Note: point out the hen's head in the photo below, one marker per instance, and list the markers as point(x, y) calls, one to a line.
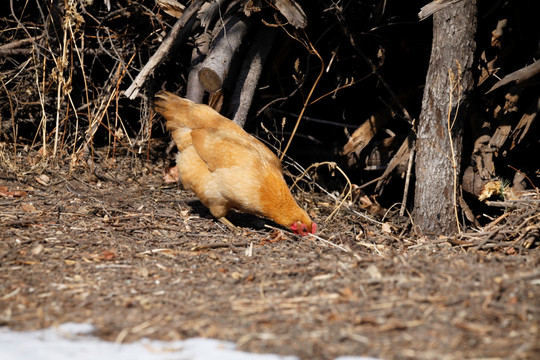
point(302, 229)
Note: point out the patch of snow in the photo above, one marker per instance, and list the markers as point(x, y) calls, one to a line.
point(74, 341)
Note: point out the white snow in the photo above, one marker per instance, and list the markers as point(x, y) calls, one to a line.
point(74, 341)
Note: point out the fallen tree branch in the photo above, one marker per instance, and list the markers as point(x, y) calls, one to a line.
point(518, 76)
point(433, 7)
point(14, 47)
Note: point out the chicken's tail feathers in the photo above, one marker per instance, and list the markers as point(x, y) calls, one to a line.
point(174, 109)
point(183, 113)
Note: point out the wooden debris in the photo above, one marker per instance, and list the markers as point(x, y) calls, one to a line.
point(293, 12)
point(518, 77)
point(507, 115)
point(482, 155)
point(433, 7)
point(522, 128)
point(171, 7)
point(398, 162)
point(208, 12)
point(361, 137)
point(218, 62)
point(517, 228)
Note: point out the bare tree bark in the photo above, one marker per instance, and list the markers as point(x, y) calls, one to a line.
point(195, 91)
point(250, 74)
point(209, 12)
point(216, 65)
point(293, 12)
point(520, 76)
point(433, 7)
point(444, 110)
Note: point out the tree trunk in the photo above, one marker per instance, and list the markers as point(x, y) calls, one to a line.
point(444, 110)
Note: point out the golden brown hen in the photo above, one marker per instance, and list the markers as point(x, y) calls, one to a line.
point(228, 168)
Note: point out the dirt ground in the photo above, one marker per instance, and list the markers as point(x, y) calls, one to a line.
point(140, 258)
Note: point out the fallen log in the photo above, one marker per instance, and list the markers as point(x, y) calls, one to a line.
point(215, 67)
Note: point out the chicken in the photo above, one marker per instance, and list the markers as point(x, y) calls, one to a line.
point(226, 167)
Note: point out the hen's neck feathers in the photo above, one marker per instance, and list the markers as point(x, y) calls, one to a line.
point(278, 203)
